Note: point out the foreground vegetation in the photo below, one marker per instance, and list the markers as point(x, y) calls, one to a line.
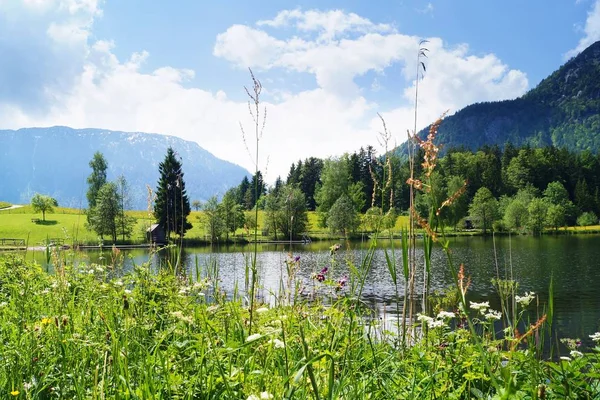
point(92, 331)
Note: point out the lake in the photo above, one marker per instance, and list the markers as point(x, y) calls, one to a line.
point(573, 262)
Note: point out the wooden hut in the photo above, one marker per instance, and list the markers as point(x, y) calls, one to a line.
point(156, 235)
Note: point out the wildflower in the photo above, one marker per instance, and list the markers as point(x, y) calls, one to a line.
point(262, 310)
point(445, 314)
point(341, 282)
point(424, 318)
point(481, 307)
point(253, 337)
point(118, 283)
point(595, 337)
point(185, 318)
point(3, 304)
point(576, 354)
point(321, 275)
point(493, 315)
point(564, 358)
point(265, 396)
point(297, 259)
point(526, 299)
point(46, 321)
point(15, 393)
point(435, 323)
point(127, 291)
point(278, 344)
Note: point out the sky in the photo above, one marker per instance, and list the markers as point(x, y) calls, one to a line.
point(327, 67)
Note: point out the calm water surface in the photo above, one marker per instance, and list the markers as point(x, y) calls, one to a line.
point(572, 261)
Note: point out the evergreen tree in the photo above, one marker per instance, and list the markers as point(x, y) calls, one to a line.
point(172, 205)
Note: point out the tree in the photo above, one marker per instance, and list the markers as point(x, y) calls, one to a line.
point(95, 181)
point(103, 216)
point(196, 205)
point(556, 216)
point(231, 213)
point(172, 205)
point(516, 214)
point(484, 208)
point(292, 218)
point(125, 223)
point(343, 216)
point(97, 178)
point(213, 221)
point(459, 208)
point(538, 210)
point(44, 204)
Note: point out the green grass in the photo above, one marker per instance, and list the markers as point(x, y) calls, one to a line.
point(88, 332)
point(4, 204)
point(69, 224)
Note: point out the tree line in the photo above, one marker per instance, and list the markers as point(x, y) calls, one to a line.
point(517, 188)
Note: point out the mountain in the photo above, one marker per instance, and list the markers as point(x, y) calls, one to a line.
point(563, 110)
point(55, 161)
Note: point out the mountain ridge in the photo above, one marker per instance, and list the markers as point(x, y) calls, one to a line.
point(54, 161)
point(563, 110)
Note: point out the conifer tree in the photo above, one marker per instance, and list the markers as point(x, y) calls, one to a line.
point(172, 205)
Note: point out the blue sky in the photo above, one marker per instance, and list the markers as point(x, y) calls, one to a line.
point(327, 67)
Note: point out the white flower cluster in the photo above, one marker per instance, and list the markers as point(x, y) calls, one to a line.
point(595, 337)
point(526, 299)
point(437, 322)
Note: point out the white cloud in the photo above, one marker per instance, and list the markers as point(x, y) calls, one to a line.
point(106, 92)
point(329, 24)
point(591, 31)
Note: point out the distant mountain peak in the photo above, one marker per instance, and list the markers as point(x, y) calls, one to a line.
point(54, 161)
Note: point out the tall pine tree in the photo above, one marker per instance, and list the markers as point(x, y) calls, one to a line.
point(172, 205)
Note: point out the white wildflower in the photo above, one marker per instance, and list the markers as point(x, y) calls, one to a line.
point(526, 299)
point(127, 291)
point(481, 307)
point(253, 337)
point(493, 315)
point(3, 304)
point(253, 397)
point(262, 310)
point(91, 271)
point(424, 318)
point(595, 337)
point(265, 396)
point(445, 314)
point(564, 358)
point(185, 318)
point(576, 354)
point(118, 283)
point(278, 344)
point(435, 323)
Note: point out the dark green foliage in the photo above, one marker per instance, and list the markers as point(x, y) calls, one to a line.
point(172, 205)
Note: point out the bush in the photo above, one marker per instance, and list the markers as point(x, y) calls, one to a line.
point(587, 219)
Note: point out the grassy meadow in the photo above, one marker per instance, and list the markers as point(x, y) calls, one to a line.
point(69, 224)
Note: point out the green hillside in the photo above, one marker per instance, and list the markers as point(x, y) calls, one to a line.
point(563, 110)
